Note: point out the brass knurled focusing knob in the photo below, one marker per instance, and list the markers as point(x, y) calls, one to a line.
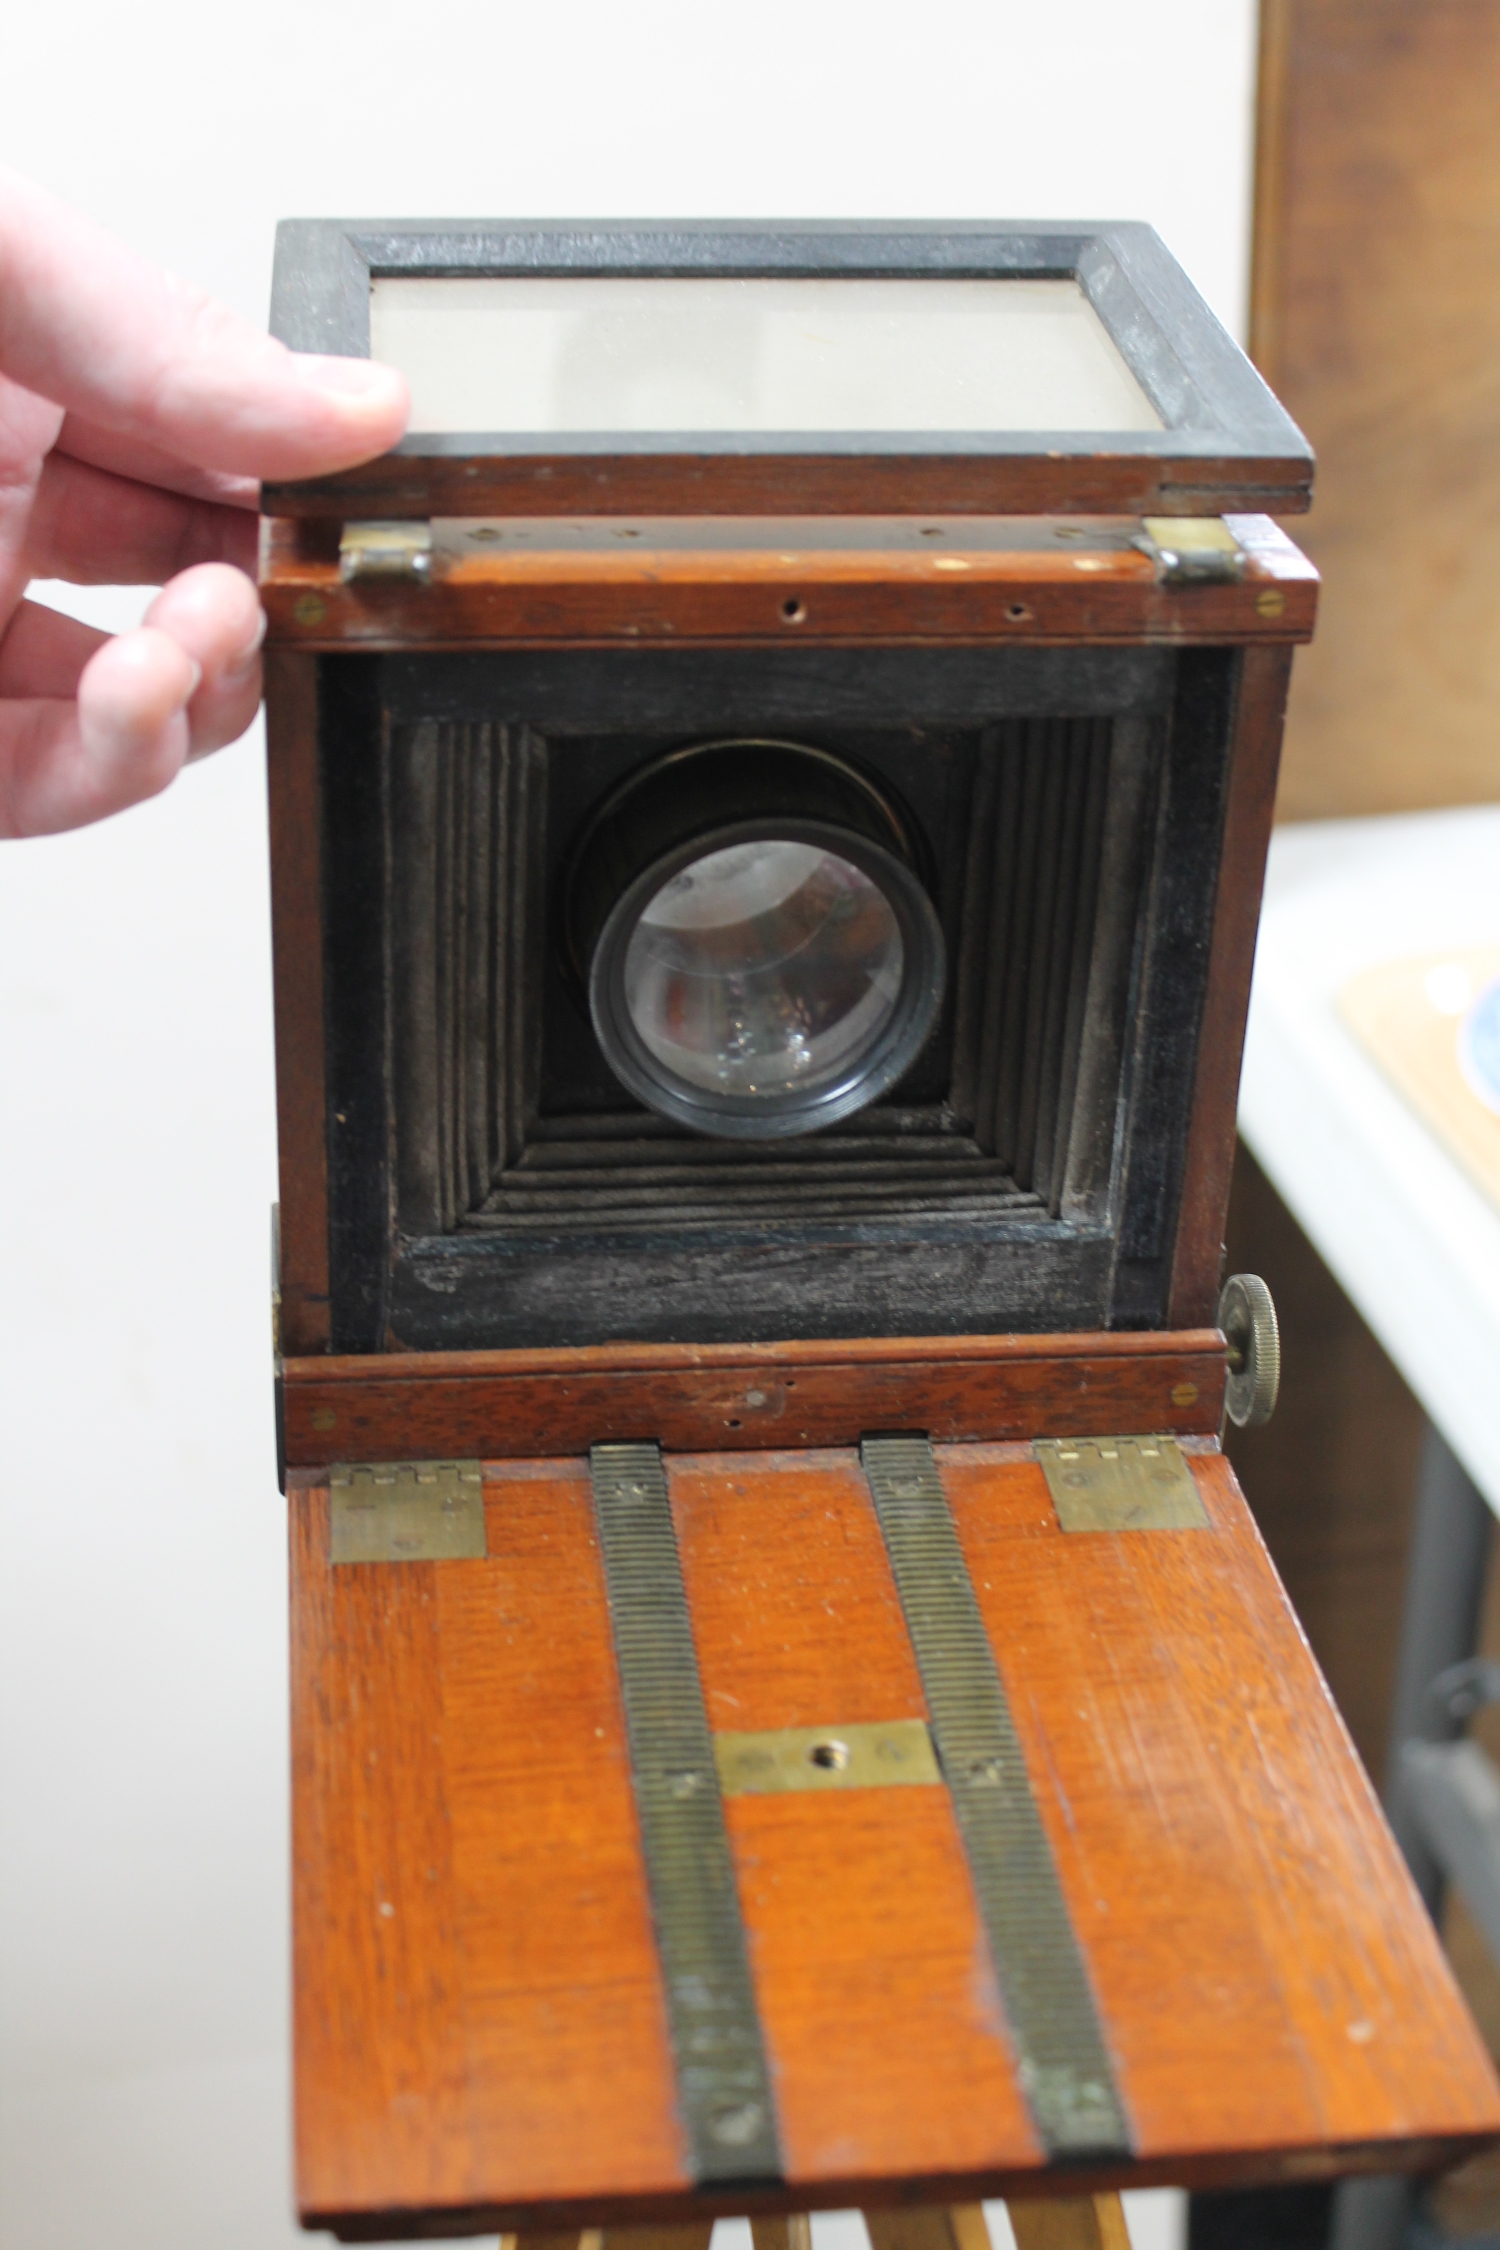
point(1248, 1319)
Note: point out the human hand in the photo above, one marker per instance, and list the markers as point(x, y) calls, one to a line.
point(136, 416)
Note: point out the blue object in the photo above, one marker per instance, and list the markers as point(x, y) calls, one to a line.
point(1479, 1046)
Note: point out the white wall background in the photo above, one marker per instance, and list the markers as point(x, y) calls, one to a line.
point(142, 1639)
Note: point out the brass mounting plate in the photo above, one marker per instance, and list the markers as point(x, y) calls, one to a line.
point(886, 1754)
point(1120, 1484)
point(406, 1511)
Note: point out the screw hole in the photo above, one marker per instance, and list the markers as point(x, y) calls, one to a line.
point(831, 1756)
point(793, 610)
point(1016, 612)
point(733, 1422)
point(931, 531)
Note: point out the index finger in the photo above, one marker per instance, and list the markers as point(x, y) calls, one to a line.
point(88, 323)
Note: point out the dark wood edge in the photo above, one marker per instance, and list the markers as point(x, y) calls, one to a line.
point(1254, 762)
point(505, 1405)
point(297, 977)
point(1268, 2167)
point(1220, 415)
point(851, 1351)
point(1177, 482)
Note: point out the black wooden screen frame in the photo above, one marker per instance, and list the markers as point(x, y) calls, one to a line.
point(1225, 445)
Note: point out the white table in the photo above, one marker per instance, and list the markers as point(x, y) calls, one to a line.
point(1412, 1242)
point(1415, 1246)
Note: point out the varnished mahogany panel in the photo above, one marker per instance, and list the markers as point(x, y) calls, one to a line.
point(479, 2016)
point(428, 1405)
point(480, 2033)
point(726, 588)
point(880, 2007)
point(1266, 1975)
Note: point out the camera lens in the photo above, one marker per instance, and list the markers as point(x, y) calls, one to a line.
point(757, 944)
point(764, 969)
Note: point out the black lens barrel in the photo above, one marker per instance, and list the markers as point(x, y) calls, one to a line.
point(716, 785)
point(693, 803)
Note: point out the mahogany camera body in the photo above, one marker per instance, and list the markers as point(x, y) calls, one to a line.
point(770, 786)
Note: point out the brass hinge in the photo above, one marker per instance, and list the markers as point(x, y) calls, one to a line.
point(386, 550)
point(1192, 550)
point(1120, 1484)
point(405, 1511)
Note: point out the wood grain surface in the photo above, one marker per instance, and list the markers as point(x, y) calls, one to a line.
point(878, 1999)
point(1264, 1971)
point(480, 2032)
point(1085, 2222)
point(478, 2012)
point(1377, 227)
point(429, 1405)
point(965, 584)
point(930, 2226)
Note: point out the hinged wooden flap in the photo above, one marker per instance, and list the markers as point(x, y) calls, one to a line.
point(483, 2032)
point(572, 370)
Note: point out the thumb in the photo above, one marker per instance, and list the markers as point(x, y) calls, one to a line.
point(91, 325)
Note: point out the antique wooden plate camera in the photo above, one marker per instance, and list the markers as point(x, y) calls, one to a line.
point(770, 785)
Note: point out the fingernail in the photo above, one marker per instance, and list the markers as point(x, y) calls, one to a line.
point(345, 378)
point(197, 671)
point(238, 666)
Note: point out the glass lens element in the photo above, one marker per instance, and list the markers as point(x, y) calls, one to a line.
point(764, 969)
